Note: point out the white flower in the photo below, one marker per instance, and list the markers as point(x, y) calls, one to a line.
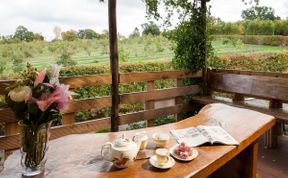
point(20, 94)
point(54, 76)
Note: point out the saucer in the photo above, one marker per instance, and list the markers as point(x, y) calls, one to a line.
point(153, 161)
point(193, 156)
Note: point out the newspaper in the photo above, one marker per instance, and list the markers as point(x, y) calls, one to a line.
point(195, 136)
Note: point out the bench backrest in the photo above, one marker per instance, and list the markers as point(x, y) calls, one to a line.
point(255, 84)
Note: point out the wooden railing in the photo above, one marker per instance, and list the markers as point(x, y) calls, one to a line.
point(11, 138)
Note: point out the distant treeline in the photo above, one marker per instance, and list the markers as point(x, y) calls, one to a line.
point(250, 27)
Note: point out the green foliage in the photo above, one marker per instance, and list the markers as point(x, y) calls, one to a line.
point(250, 27)
point(87, 34)
point(164, 120)
point(255, 39)
point(3, 65)
point(260, 13)
point(150, 28)
point(65, 57)
point(17, 61)
point(23, 34)
point(70, 35)
point(264, 62)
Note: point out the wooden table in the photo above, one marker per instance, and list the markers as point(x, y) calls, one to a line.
point(79, 155)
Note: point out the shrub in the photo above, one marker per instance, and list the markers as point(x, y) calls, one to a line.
point(266, 62)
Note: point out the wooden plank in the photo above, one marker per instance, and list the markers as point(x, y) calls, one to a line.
point(241, 72)
point(150, 104)
point(278, 113)
point(85, 81)
point(68, 119)
point(151, 76)
point(153, 113)
point(179, 99)
point(74, 106)
point(87, 104)
point(256, 86)
point(7, 115)
point(158, 94)
point(105, 79)
point(13, 141)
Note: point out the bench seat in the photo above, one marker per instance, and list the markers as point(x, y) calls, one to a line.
point(279, 113)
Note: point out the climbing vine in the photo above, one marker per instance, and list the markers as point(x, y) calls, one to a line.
point(191, 36)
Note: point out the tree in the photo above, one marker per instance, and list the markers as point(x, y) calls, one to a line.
point(69, 35)
point(38, 36)
point(150, 28)
point(135, 33)
point(23, 34)
point(260, 13)
point(87, 34)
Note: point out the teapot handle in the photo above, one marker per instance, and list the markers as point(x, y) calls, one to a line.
point(106, 146)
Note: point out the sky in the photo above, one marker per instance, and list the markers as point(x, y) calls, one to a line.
point(41, 16)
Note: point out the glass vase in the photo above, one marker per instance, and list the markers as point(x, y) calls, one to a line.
point(34, 145)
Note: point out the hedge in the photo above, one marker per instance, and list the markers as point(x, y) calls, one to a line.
point(262, 62)
point(271, 40)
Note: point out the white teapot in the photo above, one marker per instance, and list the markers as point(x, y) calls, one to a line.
point(122, 152)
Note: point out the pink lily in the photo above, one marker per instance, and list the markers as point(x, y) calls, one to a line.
point(40, 77)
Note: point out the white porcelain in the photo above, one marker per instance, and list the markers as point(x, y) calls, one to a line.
point(162, 156)
point(190, 158)
point(160, 139)
point(122, 152)
point(170, 163)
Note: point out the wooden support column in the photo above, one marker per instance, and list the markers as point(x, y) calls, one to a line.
point(271, 136)
point(150, 104)
point(68, 119)
point(237, 98)
point(179, 99)
point(114, 65)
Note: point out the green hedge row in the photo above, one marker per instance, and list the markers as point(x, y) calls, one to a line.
point(271, 40)
point(264, 62)
point(250, 27)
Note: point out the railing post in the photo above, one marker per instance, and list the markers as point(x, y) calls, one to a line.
point(179, 99)
point(150, 104)
point(271, 136)
point(238, 98)
point(68, 119)
point(114, 65)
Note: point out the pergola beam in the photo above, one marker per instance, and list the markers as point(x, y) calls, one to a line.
point(114, 65)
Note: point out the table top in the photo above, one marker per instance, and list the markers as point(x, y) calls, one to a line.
point(79, 155)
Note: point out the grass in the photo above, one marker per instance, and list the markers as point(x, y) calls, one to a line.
point(131, 50)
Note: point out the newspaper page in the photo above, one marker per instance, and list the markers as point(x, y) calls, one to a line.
point(195, 136)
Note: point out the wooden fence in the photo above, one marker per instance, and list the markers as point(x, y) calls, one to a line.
point(11, 138)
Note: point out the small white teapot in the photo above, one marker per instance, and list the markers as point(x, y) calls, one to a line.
point(122, 152)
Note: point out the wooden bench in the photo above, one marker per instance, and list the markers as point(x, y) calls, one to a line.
point(271, 88)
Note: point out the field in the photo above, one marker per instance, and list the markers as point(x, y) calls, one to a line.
point(87, 52)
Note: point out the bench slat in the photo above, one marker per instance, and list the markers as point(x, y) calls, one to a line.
point(278, 113)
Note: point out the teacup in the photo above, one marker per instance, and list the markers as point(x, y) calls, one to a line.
point(162, 156)
point(160, 139)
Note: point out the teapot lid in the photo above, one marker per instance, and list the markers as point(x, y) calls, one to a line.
point(122, 141)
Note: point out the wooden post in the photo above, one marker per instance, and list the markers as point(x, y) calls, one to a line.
point(150, 104)
point(271, 136)
point(114, 65)
point(204, 47)
point(179, 99)
point(237, 98)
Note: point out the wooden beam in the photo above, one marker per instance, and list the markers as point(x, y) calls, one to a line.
point(114, 65)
